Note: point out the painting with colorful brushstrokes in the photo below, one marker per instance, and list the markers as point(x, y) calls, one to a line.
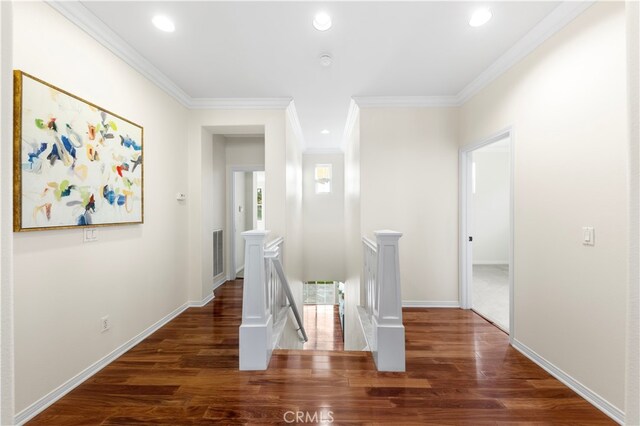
point(75, 163)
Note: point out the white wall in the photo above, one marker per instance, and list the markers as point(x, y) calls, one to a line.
point(293, 249)
point(353, 337)
point(239, 202)
point(490, 207)
point(243, 210)
point(6, 217)
point(134, 274)
point(409, 183)
point(244, 151)
point(323, 217)
point(632, 406)
point(566, 102)
point(240, 153)
point(213, 208)
point(202, 123)
point(219, 155)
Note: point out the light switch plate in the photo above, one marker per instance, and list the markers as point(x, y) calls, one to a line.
point(588, 236)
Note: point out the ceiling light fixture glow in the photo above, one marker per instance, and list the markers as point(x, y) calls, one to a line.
point(480, 17)
point(325, 132)
point(163, 23)
point(322, 21)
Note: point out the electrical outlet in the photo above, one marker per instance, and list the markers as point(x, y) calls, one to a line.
point(105, 324)
point(90, 235)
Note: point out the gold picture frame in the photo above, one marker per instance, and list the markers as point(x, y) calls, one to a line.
point(76, 164)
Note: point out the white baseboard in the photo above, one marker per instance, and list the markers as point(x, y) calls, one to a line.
point(491, 262)
point(430, 304)
point(596, 400)
point(219, 281)
point(53, 396)
point(201, 303)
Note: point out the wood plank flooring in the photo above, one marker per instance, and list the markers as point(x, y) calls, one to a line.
point(322, 325)
point(460, 370)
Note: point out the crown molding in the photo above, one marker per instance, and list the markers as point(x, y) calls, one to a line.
point(562, 15)
point(552, 23)
point(406, 101)
point(83, 18)
point(292, 113)
point(238, 103)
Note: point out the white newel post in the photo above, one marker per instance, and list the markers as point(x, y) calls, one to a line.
point(388, 348)
point(256, 329)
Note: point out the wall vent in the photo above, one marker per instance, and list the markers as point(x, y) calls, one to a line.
point(218, 265)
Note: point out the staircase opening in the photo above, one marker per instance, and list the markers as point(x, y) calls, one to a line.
point(324, 315)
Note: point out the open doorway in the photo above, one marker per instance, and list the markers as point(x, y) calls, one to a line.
point(248, 202)
point(487, 232)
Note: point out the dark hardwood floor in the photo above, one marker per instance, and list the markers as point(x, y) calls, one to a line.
point(460, 370)
point(322, 325)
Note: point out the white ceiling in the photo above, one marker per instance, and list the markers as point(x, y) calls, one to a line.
point(270, 49)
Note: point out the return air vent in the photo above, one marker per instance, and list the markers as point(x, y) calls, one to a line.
point(218, 265)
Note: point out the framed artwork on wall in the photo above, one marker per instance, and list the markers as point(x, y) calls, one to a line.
point(75, 163)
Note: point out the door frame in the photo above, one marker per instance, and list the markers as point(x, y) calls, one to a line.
point(466, 250)
point(231, 211)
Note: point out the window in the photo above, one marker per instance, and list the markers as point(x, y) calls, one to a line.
point(323, 178)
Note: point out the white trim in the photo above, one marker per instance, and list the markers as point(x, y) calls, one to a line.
point(406, 101)
point(53, 396)
point(43, 403)
point(465, 256)
point(238, 103)
point(203, 302)
point(596, 400)
point(490, 262)
point(552, 23)
point(83, 18)
point(430, 304)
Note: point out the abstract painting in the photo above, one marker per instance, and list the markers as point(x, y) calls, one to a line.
point(75, 163)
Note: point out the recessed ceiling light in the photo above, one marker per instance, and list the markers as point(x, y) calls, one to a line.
point(480, 17)
point(322, 21)
point(325, 132)
point(163, 23)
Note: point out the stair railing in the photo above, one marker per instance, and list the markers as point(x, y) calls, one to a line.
point(265, 300)
point(280, 285)
point(380, 310)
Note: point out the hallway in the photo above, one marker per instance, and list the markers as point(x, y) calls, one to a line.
point(459, 369)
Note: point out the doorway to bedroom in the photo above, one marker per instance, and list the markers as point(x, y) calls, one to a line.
point(487, 220)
